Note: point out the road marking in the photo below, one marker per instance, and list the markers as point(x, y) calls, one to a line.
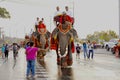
point(41, 72)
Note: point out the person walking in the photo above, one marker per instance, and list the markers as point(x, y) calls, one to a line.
point(15, 50)
point(90, 50)
point(85, 50)
point(6, 51)
point(78, 49)
point(31, 57)
point(3, 51)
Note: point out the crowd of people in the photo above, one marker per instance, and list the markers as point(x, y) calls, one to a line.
point(88, 50)
point(6, 48)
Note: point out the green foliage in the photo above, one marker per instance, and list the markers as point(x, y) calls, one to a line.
point(103, 35)
point(4, 13)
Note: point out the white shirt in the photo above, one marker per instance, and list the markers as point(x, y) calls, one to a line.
point(37, 22)
point(69, 13)
point(57, 13)
point(90, 46)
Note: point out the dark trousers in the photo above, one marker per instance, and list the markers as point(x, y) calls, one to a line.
point(91, 53)
point(6, 54)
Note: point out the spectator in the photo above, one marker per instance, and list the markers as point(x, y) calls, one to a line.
point(6, 51)
point(78, 49)
point(85, 50)
point(3, 51)
point(91, 52)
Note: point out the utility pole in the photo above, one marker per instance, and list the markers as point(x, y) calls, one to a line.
point(119, 16)
point(1, 31)
point(3, 35)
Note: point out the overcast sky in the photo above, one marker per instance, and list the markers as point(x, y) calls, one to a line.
point(90, 15)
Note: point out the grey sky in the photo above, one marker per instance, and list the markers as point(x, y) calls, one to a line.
point(90, 15)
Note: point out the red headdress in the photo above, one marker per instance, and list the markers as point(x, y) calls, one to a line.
point(41, 26)
point(66, 18)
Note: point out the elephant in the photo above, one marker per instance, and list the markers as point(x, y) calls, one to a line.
point(62, 40)
point(41, 40)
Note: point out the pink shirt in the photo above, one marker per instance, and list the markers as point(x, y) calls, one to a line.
point(31, 53)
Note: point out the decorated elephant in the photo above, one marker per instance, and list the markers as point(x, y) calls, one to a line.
point(62, 40)
point(41, 38)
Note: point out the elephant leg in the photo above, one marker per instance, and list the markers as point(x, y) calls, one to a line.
point(61, 61)
point(64, 62)
point(58, 60)
point(69, 59)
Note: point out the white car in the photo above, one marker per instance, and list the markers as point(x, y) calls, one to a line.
point(109, 45)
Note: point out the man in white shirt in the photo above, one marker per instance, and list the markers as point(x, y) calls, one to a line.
point(91, 50)
point(68, 12)
point(57, 16)
point(37, 23)
point(58, 12)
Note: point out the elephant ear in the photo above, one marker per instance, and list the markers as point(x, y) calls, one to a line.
point(55, 31)
point(72, 47)
point(74, 32)
point(48, 34)
point(53, 44)
point(53, 41)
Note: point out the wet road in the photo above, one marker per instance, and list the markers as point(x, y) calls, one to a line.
point(16, 70)
point(104, 66)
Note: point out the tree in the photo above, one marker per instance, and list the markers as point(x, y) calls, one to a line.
point(103, 35)
point(4, 13)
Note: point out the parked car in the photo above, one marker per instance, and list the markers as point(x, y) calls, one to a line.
point(110, 45)
point(114, 46)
